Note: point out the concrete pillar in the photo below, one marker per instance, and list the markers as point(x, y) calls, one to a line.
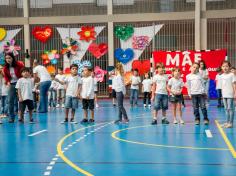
point(110, 35)
point(203, 27)
point(197, 24)
point(26, 31)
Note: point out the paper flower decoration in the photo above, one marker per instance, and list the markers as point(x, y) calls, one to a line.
point(124, 56)
point(70, 47)
point(82, 64)
point(51, 69)
point(127, 77)
point(124, 32)
point(140, 42)
point(50, 57)
point(10, 47)
point(2, 59)
point(98, 50)
point(3, 33)
point(42, 34)
point(99, 74)
point(87, 33)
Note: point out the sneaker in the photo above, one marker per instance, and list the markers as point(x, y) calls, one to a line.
point(57, 106)
point(11, 121)
point(197, 122)
point(117, 121)
point(149, 106)
point(224, 125)
point(114, 105)
point(73, 121)
point(144, 105)
point(154, 122)
point(62, 105)
point(206, 121)
point(126, 121)
point(165, 121)
point(21, 120)
point(84, 121)
point(64, 121)
point(181, 121)
point(1, 121)
point(49, 107)
point(31, 121)
point(91, 120)
point(229, 125)
point(175, 121)
point(97, 106)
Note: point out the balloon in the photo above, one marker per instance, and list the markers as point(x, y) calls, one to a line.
point(57, 56)
point(51, 56)
point(44, 56)
point(124, 32)
point(54, 51)
point(124, 56)
point(45, 62)
point(42, 34)
point(51, 69)
point(54, 61)
point(3, 33)
point(87, 33)
point(140, 42)
point(98, 50)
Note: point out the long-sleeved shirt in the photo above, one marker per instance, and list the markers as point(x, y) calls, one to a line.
point(118, 83)
point(195, 84)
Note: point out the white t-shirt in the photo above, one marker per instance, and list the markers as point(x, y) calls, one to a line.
point(73, 83)
point(4, 88)
point(176, 84)
point(135, 80)
point(227, 81)
point(95, 84)
point(55, 85)
point(87, 87)
point(161, 82)
point(147, 85)
point(42, 73)
point(218, 81)
point(119, 84)
point(13, 75)
point(195, 84)
point(61, 78)
point(26, 86)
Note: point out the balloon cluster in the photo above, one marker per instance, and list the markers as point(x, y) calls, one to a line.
point(10, 47)
point(70, 47)
point(87, 33)
point(124, 32)
point(50, 57)
point(140, 42)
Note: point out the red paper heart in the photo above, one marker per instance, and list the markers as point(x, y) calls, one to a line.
point(98, 50)
point(142, 66)
point(42, 34)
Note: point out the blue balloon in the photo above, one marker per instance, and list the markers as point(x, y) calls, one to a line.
point(54, 61)
point(124, 56)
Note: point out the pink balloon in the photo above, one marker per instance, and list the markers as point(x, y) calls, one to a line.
point(57, 56)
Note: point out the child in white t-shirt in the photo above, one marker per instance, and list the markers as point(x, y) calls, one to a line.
point(4, 96)
point(228, 85)
point(60, 89)
point(52, 93)
point(24, 88)
point(175, 86)
point(218, 87)
point(160, 94)
point(146, 88)
point(134, 89)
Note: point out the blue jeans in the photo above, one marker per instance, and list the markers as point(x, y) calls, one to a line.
point(13, 101)
point(229, 109)
point(161, 102)
point(133, 96)
point(52, 97)
point(43, 90)
point(219, 97)
point(4, 102)
point(199, 101)
point(122, 111)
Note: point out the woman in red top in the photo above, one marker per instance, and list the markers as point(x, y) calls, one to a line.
point(12, 73)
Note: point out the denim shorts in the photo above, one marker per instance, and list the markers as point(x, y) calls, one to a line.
point(71, 102)
point(161, 102)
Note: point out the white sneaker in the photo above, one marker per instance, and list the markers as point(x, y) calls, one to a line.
point(97, 106)
point(1, 121)
point(144, 105)
point(149, 106)
point(181, 121)
point(57, 106)
point(62, 105)
point(175, 122)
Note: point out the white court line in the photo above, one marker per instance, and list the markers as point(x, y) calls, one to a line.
point(36, 133)
point(208, 133)
point(47, 173)
point(49, 168)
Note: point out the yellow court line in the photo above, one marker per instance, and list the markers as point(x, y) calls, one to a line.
point(65, 159)
point(157, 145)
point(226, 139)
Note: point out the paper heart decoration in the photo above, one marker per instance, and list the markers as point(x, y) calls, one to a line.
point(42, 34)
point(124, 32)
point(67, 71)
point(98, 50)
point(127, 77)
point(142, 66)
point(3, 33)
point(140, 42)
point(87, 33)
point(124, 56)
point(99, 74)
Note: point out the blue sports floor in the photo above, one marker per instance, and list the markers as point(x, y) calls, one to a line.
point(104, 149)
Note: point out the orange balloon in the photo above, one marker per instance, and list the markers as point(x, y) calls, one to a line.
point(51, 69)
point(44, 56)
point(127, 77)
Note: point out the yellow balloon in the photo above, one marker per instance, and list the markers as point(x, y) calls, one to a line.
point(54, 51)
point(3, 33)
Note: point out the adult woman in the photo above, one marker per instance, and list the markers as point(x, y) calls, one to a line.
point(44, 85)
point(12, 73)
point(205, 75)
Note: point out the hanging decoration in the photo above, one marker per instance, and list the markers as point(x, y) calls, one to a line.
point(10, 47)
point(98, 50)
point(124, 32)
point(2, 59)
point(142, 66)
point(87, 33)
point(99, 74)
point(3, 33)
point(42, 33)
point(67, 71)
point(50, 57)
point(140, 42)
point(82, 64)
point(51, 69)
point(127, 77)
point(70, 47)
point(124, 56)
